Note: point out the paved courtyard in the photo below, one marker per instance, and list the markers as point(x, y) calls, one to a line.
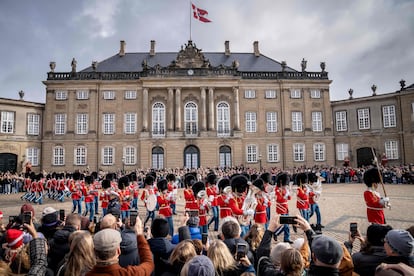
point(340, 204)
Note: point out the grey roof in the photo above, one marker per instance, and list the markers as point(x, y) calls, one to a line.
point(132, 62)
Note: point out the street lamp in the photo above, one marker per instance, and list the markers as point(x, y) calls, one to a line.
point(123, 165)
point(260, 162)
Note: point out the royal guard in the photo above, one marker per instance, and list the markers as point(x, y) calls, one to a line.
point(125, 196)
point(315, 191)
point(149, 197)
point(282, 194)
point(75, 189)
point(375, 203)
point(61, 187)
point(48, 185)
point(26, 186)
point(199, 189)
point(104, 195)
point(172, 189)
point(268, 189)
point(134, 190)
point(96, 187)
point(262, 202)
point(212, 193)
point(239, 185)
point(164, 201)
point(87, 191)
point(189, 197)
point(39, 188)
point(302, 199)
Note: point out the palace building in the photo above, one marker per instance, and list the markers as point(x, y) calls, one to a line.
point(201, 109)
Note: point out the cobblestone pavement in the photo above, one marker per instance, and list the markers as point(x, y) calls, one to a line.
point(340, 204)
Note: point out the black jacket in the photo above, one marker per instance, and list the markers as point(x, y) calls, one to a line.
point(59, 246)
point(322, 271)
point(129, 248)
point(161, 249)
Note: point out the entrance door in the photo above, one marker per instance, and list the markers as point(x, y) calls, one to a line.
point(365, 157)
point(191, 157)
point(8, 162)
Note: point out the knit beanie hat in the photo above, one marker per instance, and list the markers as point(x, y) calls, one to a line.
point(49, 216)
point(14, 238)
point(401, 242)
point(26, 208)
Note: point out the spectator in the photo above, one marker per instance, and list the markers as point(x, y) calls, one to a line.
point(107, 250)
point(16, 253)
point(254, 237)
point(50, 222)
point(326, 256)
point(399, 246)
point(129, 248)
point(198, 266)
point(183, 252)
point(195, 233)
point(291, 262)
point(110, 221)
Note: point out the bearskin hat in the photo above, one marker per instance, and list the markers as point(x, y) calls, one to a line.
point(88, 179)
point(371, 176)
point(239, 183)
point(253, 177)
point(153, 174)
point(265, 177)
point(281, 179)
point(48, 176)
point(301, 178)
point(170, 177)
point(198, 186)
point(149, 180)
point(162, 185)
point(106, 183)
point(312, 177)
point(39, 176)
point(223, 183)
point(76, 175)
point(211, 178)
point(190, 179)
point(94, 175)
point(110, 176)
point(259, 184)
point(123, 182)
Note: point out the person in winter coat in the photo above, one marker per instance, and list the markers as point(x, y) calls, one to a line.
point(129, 249)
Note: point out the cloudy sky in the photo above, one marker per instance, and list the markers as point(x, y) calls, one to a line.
point(363, 42)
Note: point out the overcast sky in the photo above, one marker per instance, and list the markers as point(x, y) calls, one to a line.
point(363, 42)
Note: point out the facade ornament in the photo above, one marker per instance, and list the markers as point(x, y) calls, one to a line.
point(303, 64)
point(374, 88)
point(323, 66)
point(350, 92)
point(284, 66)
point(73, 64)
point(21, 95)
point(52, 66)
point(402, 84)
point(235, 64)
point(94, 65)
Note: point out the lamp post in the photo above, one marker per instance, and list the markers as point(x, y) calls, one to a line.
point(123, 165)
point(260, 162)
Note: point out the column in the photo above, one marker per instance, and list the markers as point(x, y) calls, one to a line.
point(170, 108)
point(236, 108)
point(178, 109)
point(203, 112)
point(211, 109)
point(145, 109)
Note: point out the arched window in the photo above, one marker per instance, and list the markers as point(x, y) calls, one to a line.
point(158, 119)
point(191, 157)
point(225, 156)
point(223, 119)
point(191, 118)
point(157, 158)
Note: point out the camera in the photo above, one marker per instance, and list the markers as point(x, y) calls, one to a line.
point(353, 228)
point(287, 220)
point(204, 237)
point(61, 214)
point(241, 249)
point(27, 217)
point(133, 217)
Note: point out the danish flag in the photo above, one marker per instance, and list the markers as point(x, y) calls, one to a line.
point(200, 14)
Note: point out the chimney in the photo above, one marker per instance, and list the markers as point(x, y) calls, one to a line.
point(122, 48)
point(256, 48)
point(227, 48)
point(152, 50)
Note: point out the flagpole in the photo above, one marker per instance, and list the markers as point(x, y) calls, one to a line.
point(190, 16)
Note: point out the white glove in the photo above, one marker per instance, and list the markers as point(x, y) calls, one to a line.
point(249, 212)
point(211, 198)
point(146, 200)
point(266, 202)
point(287, 194)
point(202, 207)
point(384, 201)
point(227, 201)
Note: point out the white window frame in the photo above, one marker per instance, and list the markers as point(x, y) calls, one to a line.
point(191, 118)
point(273, 153)
point(33, 124)
point(108, 123)
point(7, 122)
point(158, 119)
point(32, 155)
point(251, 122)
point(364, 121)
point(297, 121)
point(317, 121)
point(270, 94)
point(130, 155)
point(60, 124)
point(295, 93)
point(82, 120)
point(80, 154)
point(108, 154)
point(319, 152)
point(109, 95)
point(389, 116)
point(315, 93)
point(130, 123)
point(223, 119)
point(82, 94)
point(130, 94)
point(342, 150)
point(391, 149)
point(58, 158)
point(251, 153)
point(61, 95)
point(249, 94)
point(341, 121)
point(298, 152)
point(271, 121)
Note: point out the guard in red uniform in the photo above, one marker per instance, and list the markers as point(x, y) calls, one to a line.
point(260, 215)
point(104, 195)
point(212, 192)
point(148, 194)
point(375, 203)
point(164, 201)
point(125, 196)
point(199, 189)
point(302, 199)
point(191, 205)
point(282, 194)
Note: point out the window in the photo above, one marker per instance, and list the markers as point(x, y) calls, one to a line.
point(130, 156)
point(80, 156)
point(158, 119)
point(109, 95)
point(388, 116)
point(61, 95)
point(391, 150)
point(298, 152)
point(158, 158)
point(7, 122)
point(341, 151)
point(251, 154)
point(108, 156)
point(319, 152)
point(273, 153)
point(191, 118)
point(315, 94)
point(60, 124)
point(33, 124)
point(295, 93)
point(130, 123)
point(58, 156)
point(363, 118)
point(223, 119)
point(317, 121)
point(82, 94)
point(250, 94)
point(270, 94)
point(130, 95)
point(225, 156)
point(271, 121)
point(81, 123)
point(191, 157)
point(32, 155)
point(341, 124)
point(108, 123)
point(297, 121)
point(250, 121)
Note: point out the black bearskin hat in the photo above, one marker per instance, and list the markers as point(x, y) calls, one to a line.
point(123, 182)
point(259, 184)
point(149, 180)
point(162, 185)
point(170, 177)
point(265, 177)
point(301, 178)
point(190, 179)
point(76, 175)
point(88, 179)
point(39, 176)
point(281, 179)
point(312, 177)
point(110, 176)
point(94, 175)
point(253, 177)
point(106, 183)
point(371, 176)
point(223, 183)
point(211, 178)
point(198, 186)
point(132, 176)
point(239, 183)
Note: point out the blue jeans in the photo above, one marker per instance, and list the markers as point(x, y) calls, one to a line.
point(171, 225)
point(77, 204)
point(214, 218)
point(104, 211)
point(244, 230)
point(150, 215)
point(203, 229)
point(96, 203)
point(285, 229)
point(173, 207)
point(124, 214)
point(305, 213)
point(90, 210)
point(7, 188)
point(315, 210)
point(135, 204)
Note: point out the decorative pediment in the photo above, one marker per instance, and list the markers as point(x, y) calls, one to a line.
point(190, 57)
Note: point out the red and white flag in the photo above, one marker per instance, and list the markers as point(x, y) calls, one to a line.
point(200, 14)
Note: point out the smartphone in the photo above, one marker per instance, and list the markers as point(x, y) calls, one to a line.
point(133, 217)
point(27, 217)
point(287, 220)
point(204, 237)
point(241, 249)
point(95, 219)
point(61, 214)
point(353, 228)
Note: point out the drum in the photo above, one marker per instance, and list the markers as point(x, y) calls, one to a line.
point(151, 202)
